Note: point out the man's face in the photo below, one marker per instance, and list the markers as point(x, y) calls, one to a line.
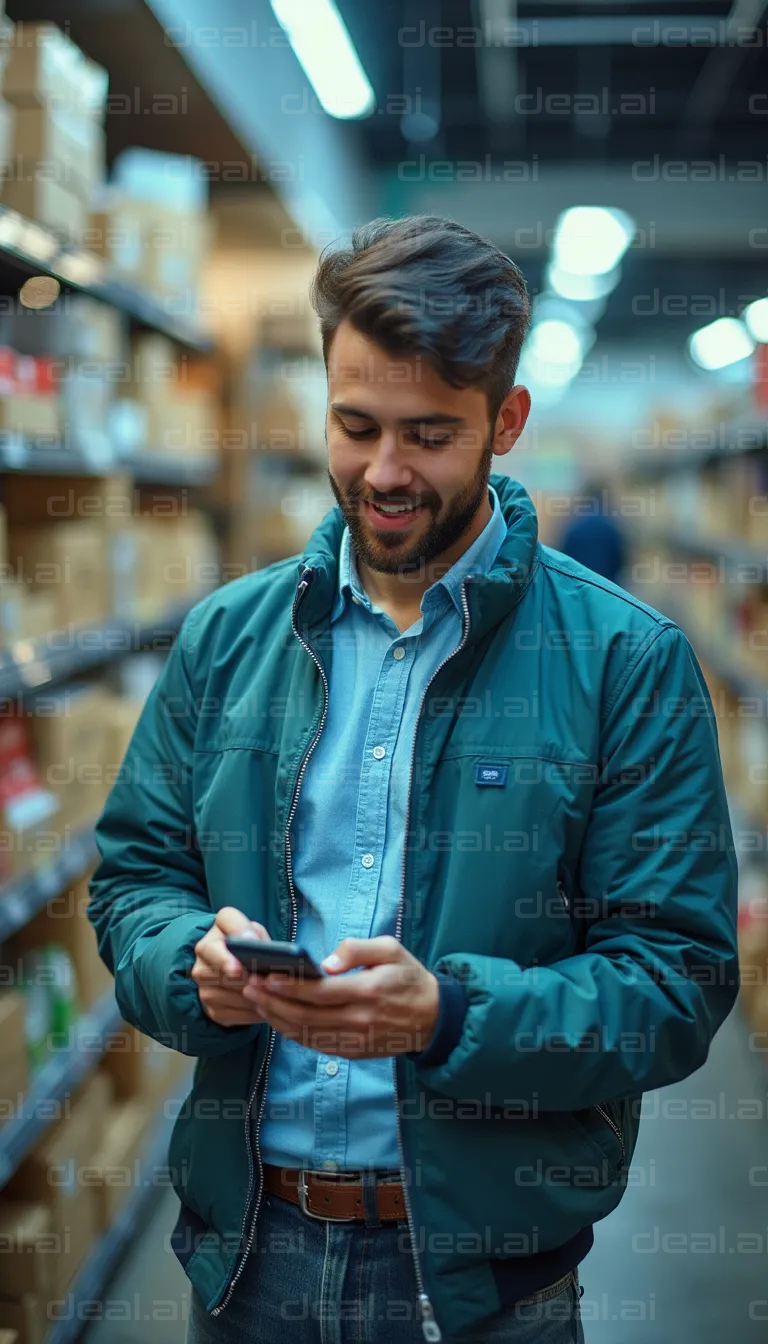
point(408, 456)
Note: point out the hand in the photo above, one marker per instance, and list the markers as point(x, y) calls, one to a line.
point(388, 1009)
point(220, 977)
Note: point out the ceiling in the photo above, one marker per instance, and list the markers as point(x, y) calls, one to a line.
point(658, 106)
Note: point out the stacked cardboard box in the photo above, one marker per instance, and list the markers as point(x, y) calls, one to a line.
point(113, 1171)
point(69, 732)
point(63, 924)
point(59, 99)
point(28, 1250)
point(14, 1068)
point(52, 1176)
point(152, 225)
point(66, 560)
point(175, 415)
point(144, 1070)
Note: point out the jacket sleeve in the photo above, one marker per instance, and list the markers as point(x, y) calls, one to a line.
point(656, 972)
point(148, 902)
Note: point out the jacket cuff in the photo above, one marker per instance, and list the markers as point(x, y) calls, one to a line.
point(449, 1026)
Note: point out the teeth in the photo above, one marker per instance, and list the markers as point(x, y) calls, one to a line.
point(395, 508)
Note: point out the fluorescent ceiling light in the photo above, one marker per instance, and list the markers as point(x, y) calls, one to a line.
point(590, 240)
point(322, 44)
point(554, 351)
point(582, 288)
point(756, 318)
point(720, 343)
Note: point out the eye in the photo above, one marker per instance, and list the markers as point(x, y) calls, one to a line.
point(359, 433)
point(442, 442)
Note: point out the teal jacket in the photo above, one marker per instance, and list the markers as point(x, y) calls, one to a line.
point(585, 899)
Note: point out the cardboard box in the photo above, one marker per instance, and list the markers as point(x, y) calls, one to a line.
point(47, 70)
point(113, 1172)
point(63, 922)
point(140, 1068)
point(71, 146)
point(9, 1337)
point(50, 1175)
point(68, 559)
point(70, 744)
point(149, 245)
point(28, 1318)
point(7, 127)
point(14, 1067)
point(46, 201)
point(27, 1249)
point(27, 413)
point(25, 614)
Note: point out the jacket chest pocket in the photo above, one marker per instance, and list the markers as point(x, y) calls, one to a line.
point(506, 828)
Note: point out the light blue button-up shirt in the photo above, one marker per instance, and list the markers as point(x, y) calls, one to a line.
point(348, 844)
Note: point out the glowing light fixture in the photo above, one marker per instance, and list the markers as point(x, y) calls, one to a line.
point(582, 288)
point(590, 239)
point(321, 42)
point(720, 343)
point(756, 318)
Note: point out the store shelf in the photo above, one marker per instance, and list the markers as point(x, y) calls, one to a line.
point(692, 449)
point(731, 557)
point(28, 248)
point(23, 897)
point(30, 666)
point(86, 1290)
point(26, 456)
point(62, 1073)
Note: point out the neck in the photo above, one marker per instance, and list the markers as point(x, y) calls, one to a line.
point(400, 594)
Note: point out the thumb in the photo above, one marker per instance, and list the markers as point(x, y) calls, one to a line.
point(363, 952)
point(231, 921)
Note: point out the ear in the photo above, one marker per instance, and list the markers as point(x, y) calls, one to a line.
point(511, 419)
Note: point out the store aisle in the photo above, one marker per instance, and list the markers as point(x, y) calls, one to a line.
point(683, 1256)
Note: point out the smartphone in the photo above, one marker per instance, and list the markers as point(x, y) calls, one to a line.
point(261, 958)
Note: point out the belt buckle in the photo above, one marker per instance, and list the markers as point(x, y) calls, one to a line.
point(320, 1217)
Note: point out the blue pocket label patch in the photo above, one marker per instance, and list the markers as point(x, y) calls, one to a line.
point(491, 774)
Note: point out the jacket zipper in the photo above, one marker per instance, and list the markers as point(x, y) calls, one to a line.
point(563, 894)
point(429, 1326)
point(612, 1124)
point(264, 1070)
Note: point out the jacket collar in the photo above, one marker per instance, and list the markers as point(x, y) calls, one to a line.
point(490, 596)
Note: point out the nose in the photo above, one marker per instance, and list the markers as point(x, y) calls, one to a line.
point(389, 469)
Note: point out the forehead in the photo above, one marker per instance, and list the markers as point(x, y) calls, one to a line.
point(362, 373)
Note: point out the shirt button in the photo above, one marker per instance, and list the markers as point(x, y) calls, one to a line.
point(331, 1068)
point(399, 652)
point(379, 753)
point(367, 860)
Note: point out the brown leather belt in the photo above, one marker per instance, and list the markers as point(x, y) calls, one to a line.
point(321, 1195)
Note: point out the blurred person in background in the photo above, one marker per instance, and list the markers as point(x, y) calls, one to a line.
point(593, 534)
point(434, 752)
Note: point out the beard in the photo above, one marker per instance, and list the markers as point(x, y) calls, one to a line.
point(389, 552)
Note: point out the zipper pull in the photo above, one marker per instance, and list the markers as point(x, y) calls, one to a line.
point(429, 1326)
point(561, 889)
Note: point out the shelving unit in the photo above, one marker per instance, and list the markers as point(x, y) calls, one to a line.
point(23, 897)
point(32, 665)
point(88, 1286)
point(58, 1077)
point(22, 455)
point(28, 248)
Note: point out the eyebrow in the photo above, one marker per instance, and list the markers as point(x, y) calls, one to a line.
point(434, 418)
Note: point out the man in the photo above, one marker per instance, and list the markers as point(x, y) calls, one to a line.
point(475, 780)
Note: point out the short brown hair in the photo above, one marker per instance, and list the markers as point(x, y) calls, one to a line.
point(425, 285)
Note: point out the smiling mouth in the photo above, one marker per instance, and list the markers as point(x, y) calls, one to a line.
point(391, 516)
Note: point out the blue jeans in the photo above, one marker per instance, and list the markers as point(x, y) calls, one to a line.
point(316, 1282)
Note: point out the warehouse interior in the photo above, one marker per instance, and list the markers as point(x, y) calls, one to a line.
point(170, 178)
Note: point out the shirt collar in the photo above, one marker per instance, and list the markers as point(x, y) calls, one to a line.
point(477, 559)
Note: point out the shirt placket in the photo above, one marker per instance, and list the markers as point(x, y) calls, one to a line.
point(356, 918)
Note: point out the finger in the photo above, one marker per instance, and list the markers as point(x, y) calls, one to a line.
point(316, 993)
point(231, 1003)
point(363, 952)
point(214, 954)
point(205, 974)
